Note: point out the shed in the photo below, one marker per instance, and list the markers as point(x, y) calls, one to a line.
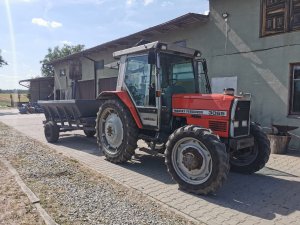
point(40, 88)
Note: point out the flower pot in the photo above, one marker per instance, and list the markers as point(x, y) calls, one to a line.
point(279, 143)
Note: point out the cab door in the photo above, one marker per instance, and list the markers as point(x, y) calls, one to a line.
point(140, 81)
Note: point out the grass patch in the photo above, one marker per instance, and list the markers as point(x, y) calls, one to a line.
point(6, 101)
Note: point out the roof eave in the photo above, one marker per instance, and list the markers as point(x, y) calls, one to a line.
point(173, 24)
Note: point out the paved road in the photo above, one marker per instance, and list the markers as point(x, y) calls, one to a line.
point(271, 196)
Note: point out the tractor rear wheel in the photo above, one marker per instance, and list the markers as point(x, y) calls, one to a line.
point(197, 160)
point(117, 133)
point(51, 131)
point(251, 160)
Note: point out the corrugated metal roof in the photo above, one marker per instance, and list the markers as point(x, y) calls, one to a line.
point(177, 23)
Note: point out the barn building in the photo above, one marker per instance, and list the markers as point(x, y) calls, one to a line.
point(251, 46)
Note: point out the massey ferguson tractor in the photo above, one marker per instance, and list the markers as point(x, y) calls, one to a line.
point(163, 97)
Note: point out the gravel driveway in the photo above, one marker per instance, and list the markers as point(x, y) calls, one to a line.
point(73, 194)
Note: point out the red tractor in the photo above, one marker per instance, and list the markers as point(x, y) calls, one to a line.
point(163, 97)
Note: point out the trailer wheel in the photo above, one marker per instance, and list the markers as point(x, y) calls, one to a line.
point(117, 133)
point(197, 160)
point(51, 131)
point(251, 160)
point(89, 133)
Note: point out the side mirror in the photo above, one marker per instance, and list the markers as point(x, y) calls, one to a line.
point(152, 57)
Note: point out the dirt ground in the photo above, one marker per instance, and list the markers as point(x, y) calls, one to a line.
point(15, 207)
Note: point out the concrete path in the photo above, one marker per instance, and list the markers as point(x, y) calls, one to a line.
point(271, 196)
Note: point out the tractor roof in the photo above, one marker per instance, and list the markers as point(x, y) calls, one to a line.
point(167, 47)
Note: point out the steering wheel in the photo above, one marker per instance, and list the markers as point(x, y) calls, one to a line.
point(173, 82)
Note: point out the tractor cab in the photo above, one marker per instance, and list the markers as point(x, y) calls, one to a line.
point(152, 73)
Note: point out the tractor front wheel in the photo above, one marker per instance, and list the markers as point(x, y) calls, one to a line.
point(197, 160)
point(116, 131)
point(250, 160)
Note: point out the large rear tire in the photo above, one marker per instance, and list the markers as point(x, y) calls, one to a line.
point(197, 160)
point(117, 133)
point(251, 160)
point(51, 131)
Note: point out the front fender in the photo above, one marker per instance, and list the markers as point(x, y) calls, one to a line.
point(126, 100)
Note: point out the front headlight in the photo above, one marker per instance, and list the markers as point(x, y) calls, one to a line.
point(244, 123)
point(236, 124)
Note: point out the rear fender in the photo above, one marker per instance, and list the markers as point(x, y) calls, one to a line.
point(123, 97)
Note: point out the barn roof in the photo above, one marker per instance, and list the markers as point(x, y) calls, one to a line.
point(174, 24)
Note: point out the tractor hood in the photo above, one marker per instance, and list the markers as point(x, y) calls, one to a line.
point(203, 104)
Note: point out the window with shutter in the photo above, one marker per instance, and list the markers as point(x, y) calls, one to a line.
point(295, 89)
point(295, 15)
point(279, 16)
point(274, 16)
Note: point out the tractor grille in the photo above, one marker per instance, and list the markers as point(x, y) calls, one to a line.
point(218, 126)
point(242, 113)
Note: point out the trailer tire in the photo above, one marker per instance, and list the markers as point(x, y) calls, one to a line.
point(117, 133)
point(197, 160)
point(51, 131)
point(248, 164)
point(89, 133)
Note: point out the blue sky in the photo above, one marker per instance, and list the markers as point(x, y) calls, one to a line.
point(29, 27)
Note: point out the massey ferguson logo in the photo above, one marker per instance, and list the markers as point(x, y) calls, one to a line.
point(200, 112)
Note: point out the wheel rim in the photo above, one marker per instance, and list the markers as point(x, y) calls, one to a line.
point(111, 130)
point(192, 161)
point(244, 157)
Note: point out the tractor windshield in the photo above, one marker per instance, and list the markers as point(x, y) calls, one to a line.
point(177, 72)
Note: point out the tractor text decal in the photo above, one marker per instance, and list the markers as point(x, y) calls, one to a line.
point(200, 112)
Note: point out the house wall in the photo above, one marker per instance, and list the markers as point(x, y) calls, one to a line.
point(261, 64)
point(234, 48)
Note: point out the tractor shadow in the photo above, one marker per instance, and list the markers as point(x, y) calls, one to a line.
point(151, 166)
point(264, 195)
point(78, 142)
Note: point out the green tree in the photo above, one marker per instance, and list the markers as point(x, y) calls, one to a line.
point(2, 61)
point(56, 53)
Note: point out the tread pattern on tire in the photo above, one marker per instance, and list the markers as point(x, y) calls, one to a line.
point(89, 133)
point(263, 152)
point(220, 161)
point(130, 131)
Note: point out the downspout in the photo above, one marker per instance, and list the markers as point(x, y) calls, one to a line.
point(95, 74)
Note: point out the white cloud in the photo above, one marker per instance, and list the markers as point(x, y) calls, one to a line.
point(45, 23)
point(129, 2)
point(55, 24)
point(40, 22)
point(167, 3)
point(96, 2)
point(22, 1)
point(148, 2)
point(206, 12)
point(65, 42)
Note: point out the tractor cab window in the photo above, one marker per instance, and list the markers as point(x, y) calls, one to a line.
point(177, 73)
point(203, 83)
point(139, 80)
point(183, 75)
